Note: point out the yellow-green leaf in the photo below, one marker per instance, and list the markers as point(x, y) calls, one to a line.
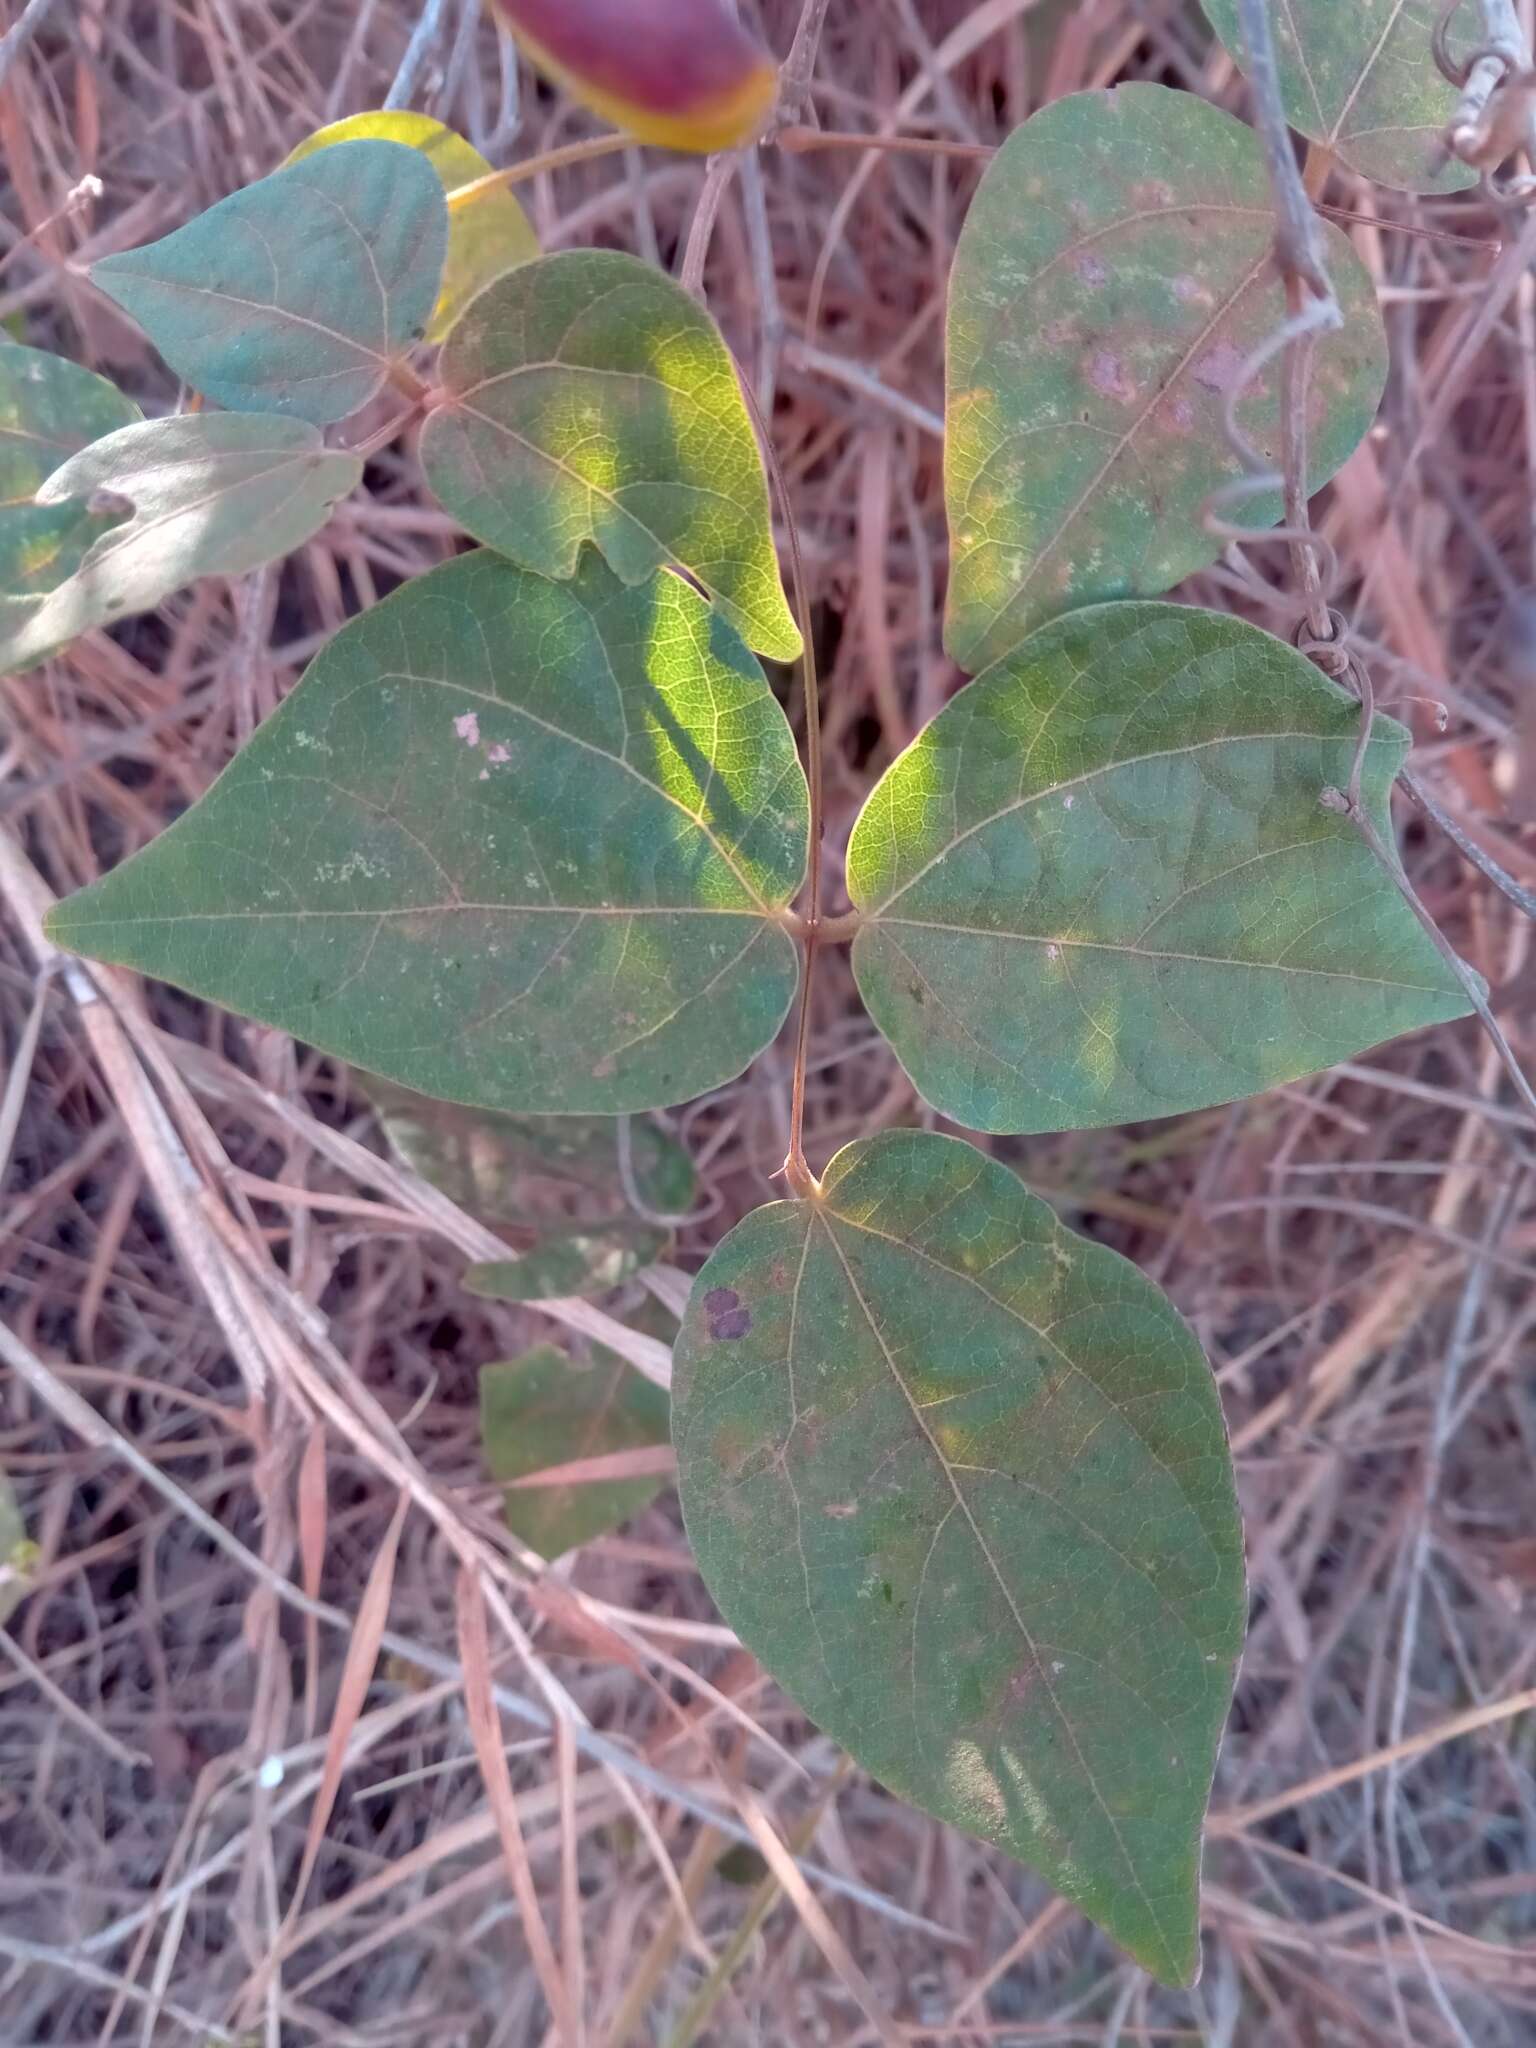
point(489, 235)
point(587, 397)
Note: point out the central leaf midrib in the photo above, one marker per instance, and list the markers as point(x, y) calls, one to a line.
point(1041, 1664)
point(1025, 801)
point(1150, 953)
point(373, 357)
point(746, 914)
point(1044, 1337)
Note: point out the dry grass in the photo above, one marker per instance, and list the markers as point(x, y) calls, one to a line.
point(239, 1392)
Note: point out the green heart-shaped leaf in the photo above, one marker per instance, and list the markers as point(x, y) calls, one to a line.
point(571, 1263)
point(49, 407)
point(1101, 885)
point(1115, 273)
point(210, 494)
point(541, 1411)
point(486, 1159)
point(1360, 76)
point(510, 842)
point(298, 294)
point(959, 1478)
point(486, 237)
point(587, 397)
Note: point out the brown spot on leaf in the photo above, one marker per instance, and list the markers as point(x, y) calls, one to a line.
point(1217, 369)
point(1108, 374)
point(604, 1068)
point(1189, 291)
point(732, 1447)
point(1090, 268)
point(727, 1317)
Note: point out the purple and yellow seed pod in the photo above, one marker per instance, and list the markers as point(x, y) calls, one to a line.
point(681, 73)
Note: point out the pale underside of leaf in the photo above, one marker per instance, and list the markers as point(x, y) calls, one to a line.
point(541, 1411)
point(1113, 277)
point(494, 1164)
point(297, 294)
point(588, 398)
point(489, 236)
point(513, 843)
point(1361, 79)
point(1101, 886)
point(960, 1479)
point(208, 493)
point(589, 1261)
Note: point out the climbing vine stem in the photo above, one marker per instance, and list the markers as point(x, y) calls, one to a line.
point(811, 929)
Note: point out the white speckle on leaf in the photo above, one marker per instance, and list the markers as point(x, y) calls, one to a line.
point(498, 754)
point(344, 871)
point(1067, 802)
point(467, 726)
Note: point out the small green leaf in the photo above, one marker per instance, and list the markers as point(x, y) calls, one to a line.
point(540, 1411)
point(209, 493)
point(487, 237)
point(49, 408)
point(587, 397)
point(510, 842)
point(1115, 273)
point(1360, 76)
point(492, 1163)
point(16, 1553)
point(1101, 885)
point(571, 1263)
point(959, 1478)
point(297, 294)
